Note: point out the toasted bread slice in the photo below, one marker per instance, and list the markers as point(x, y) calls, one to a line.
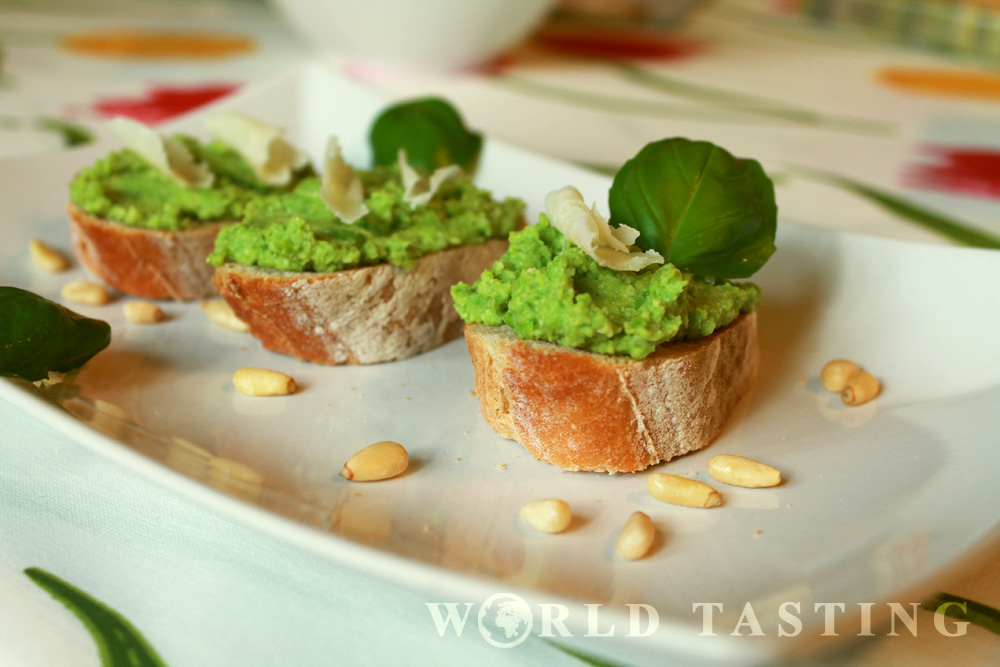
point(365, 315)
point(586, 411)
point(151, 263)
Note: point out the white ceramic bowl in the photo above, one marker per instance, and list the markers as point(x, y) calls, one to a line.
point(440, 34)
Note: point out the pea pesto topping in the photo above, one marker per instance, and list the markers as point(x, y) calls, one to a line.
point(547, 289)
point(126, 188)
point(297, 231)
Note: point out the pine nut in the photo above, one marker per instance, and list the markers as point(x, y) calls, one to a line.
point(87, 293)
point(46, 257)
point(262, 382)
point(143, 312)
point(861, 389)
point(740, 471)
point(836, 374)
point(381, 460)
point(549, 516)
point(636, 537)
point(221, 313)
point(682, 491)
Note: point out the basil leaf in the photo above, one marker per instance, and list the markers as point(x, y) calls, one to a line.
point(38, 336)
point(431, 131)
point(704, 210)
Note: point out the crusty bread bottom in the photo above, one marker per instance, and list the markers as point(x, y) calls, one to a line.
point(586, 411)
point(365, 315)
point(150, 263)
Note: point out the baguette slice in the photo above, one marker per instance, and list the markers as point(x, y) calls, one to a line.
point(365, 315)
point(151, 263)
point(585, 411)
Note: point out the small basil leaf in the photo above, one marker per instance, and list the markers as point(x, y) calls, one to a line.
point(431, 131)
point(704, 210)
point(38, 336)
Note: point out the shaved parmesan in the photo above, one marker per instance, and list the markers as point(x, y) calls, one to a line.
point(165, 153)
point(608, 246)
point(341, 189)
point(273, 159)
point(417, 189)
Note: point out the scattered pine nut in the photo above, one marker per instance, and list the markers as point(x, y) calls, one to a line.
point(636, 537)
point(221, 313)
point(85, 292)
point(46, 257)
point(143, 312)
point(381, 460)
point(861, 389)
point(262, 382)
point(740, 471)
point(549, 516)
point(682, 491)
point(836, 374)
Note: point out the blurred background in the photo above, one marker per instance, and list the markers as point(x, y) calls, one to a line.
point(883, 111)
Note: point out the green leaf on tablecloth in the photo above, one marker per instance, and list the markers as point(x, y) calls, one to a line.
point(625, 105)
point(751, 104)
point(704, 210)
point(430, 130)
point(579, 655)
point(120, 644)
point(951, 228)
point(963, 609)
point(72, 134)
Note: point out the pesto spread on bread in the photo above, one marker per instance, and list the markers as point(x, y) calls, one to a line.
point(124, 187)
point(686, 217)
point(547, 289)
point(297, 231)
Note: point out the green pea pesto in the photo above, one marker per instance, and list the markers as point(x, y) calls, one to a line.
point(296, 231)
point(125, 188)
point(546, 288)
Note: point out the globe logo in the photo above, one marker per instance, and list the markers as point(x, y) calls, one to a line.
point(505, 620)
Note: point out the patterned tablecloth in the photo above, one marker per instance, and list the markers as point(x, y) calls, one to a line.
point(859, 136)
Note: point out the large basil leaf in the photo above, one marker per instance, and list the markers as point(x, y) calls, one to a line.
point(430, 130)
point(38, 336)
point(704, 210)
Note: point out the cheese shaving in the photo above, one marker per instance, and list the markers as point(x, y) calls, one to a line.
point(586, 227)
point(417, 189)
point(341, 189)
point(273, 159)
point(165, 153)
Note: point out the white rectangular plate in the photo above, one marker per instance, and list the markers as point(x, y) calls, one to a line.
point(878, 500)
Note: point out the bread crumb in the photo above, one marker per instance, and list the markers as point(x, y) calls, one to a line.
point(407, 397)
point(472, 392)
point(356, 494)
point(500, 466)
point(756, 532)
point(354, 388)
point(458, 458)
point(428, 528)
point(467, 432)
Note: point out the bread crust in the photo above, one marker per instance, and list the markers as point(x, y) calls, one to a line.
point(365, 315)
point(150, 263)
point(585, 411)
